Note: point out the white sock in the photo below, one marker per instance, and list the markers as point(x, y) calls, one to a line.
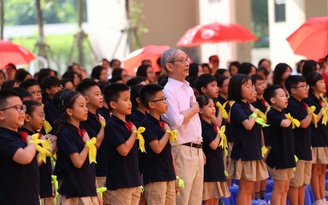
point(323, 200)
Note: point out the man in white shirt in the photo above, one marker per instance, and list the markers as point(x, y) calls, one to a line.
point(182, 115)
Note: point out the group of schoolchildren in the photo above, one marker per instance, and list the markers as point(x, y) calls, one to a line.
point(271, 129)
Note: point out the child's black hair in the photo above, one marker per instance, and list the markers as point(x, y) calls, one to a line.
point(30, 106)
point(221, 79)
point(96, 71)
point(28, 83)
point(85, 85)
point(4, 95)
point(112, 92)
point(135, 93)
point(49, 82)
point(8, 84)
point(148, 92)
point(135, 81)
point(21, 75)
point(203, 80)
point(67, 100)
point(63, 81)
point(203, 100)
point(256, 77)
point(245, 68)
point(292, 82)
point(270, 92)
point(312, 79)
point(236, 81)
point(23, 93)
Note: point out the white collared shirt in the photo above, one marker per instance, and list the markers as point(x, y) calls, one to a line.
point(180, 97)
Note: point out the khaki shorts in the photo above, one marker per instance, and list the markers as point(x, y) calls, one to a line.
point(320, 155)
point(47, 201)
point(215, 190)
point(281, 174)
point(125, 196)
point(89, 200)
point(102, 183)
point(250, 170)
point(160, 193)
point(302, 175)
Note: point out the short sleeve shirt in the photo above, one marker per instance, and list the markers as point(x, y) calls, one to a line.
point(123, 171)
point(281, 155)
point(247, 146)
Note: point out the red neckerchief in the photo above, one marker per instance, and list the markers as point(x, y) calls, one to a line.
point(81, 132)
point(215, 128)
point(129, 125)
point(23, 135)
point(162, 124)
point(305, 106)
point(263, 102)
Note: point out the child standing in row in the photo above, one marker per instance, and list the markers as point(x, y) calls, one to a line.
point(280, 159)
point(79, 179)
point(18, 163)
point(159, 171)
point(215, 182)
point(298, 91)
point(319, 136)
point(246, 159)
point(123, 181)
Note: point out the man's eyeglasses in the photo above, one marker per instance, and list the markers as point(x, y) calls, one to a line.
point(184, 61)
point(19, 108)
point(160, 100)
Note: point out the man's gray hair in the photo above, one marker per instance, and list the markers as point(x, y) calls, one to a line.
point(168, 56)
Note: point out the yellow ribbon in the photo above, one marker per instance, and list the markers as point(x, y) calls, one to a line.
point(43, 151)
point(47, 127)
point(140, 138)
point(261, 122)
point(180, 183)
point(264, 151)
point(261, 115)
point(315, 117)
point(101, 190)
point(55, 183)
point(224, 141)
point(222, 109)
point(226, 173)
point(324, 99)
point(173, 136)
point(231, 103)
point(91, 144)
point(294, 121)
point(324, 115)
point(142, 189)
point(296, 159)
point(103, 124)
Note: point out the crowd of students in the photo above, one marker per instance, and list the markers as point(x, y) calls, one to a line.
point(175, 139)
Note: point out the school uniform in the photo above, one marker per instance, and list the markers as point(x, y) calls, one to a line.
point(77, 182)
point(19, 184)
point(302, 175)
point(215, 181)
point(281, 155)
point(45, 171)
point(123, 171)
point(246, 152)
point(103, 111)
point(51, 112)
point(230, 137)
point(93, 126)
point(158, 171)
point(260, 104)
point(319, 134)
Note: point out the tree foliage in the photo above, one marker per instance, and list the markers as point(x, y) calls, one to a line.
point(23, 12)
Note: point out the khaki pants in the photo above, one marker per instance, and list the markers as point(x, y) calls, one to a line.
point(102, 183)
point(190, 167)
point(125, 196)
point(89, 200)
point(160, 193)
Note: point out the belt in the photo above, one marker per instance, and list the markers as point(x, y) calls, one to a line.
point(194, 145)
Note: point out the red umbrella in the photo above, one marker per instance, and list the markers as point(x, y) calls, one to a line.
point(214, 33)
point(311, 39)
point(13, 53)
point(149, 52)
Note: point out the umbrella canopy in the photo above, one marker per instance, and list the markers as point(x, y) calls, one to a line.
point(149, 52)
point(13, 53)
point(311, 38)
point(215, 33)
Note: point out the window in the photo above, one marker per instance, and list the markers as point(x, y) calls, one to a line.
point(279, 11)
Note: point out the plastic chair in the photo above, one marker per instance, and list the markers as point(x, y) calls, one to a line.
point(234, 191)
point(259, 202)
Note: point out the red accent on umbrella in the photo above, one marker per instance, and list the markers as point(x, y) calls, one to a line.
point(311, 38)
point(13, 53)
point(215, 33)
point(150, 52)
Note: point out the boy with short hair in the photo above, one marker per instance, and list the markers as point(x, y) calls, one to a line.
point(280, 159)
point(123, 180)
point(95, 127)
point(298, 90)
point(50, 86)
point(19, 168)
point(32, 86)
point(159, 171)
